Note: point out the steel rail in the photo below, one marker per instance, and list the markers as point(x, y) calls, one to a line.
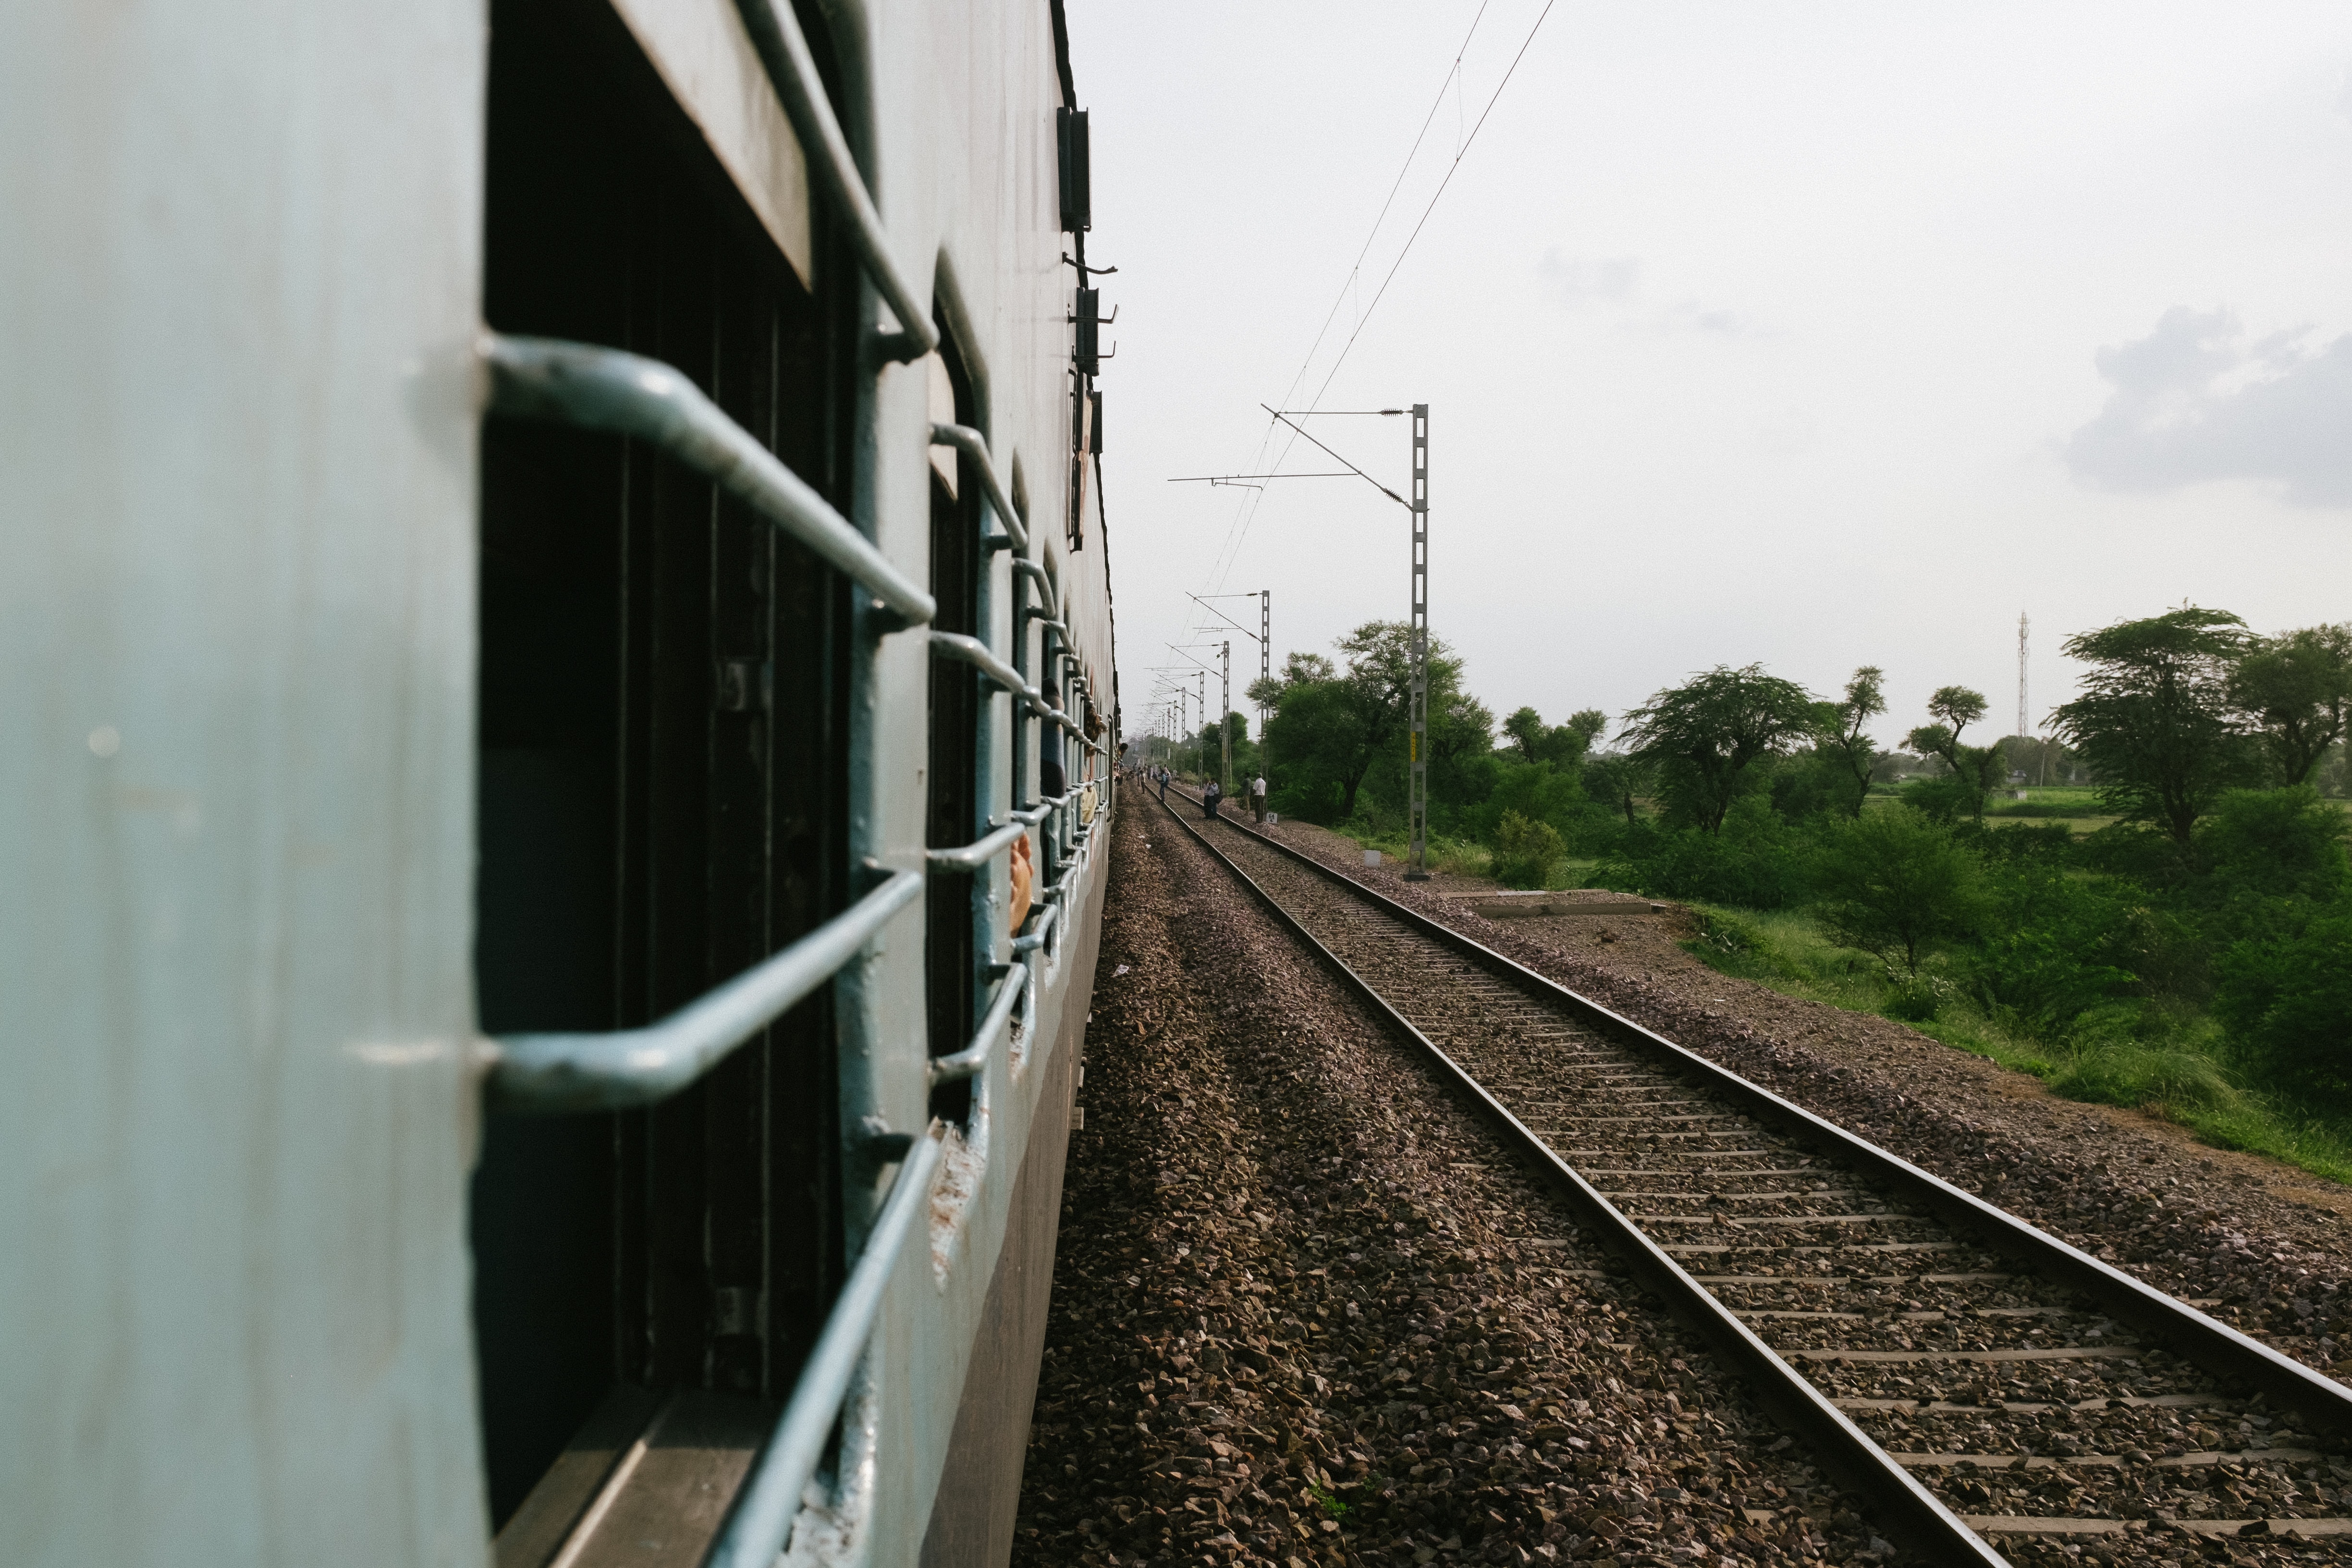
point(554, 1073)
point(607, 389)
point(974, 445)
point(761, 1525)
point(791, 70)
point(1910, 1515)
point(2323, 1402)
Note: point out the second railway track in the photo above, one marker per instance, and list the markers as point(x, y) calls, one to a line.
point(1997, 1392)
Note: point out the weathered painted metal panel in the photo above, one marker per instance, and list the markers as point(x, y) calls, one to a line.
point(238, 283)
point(240, 276)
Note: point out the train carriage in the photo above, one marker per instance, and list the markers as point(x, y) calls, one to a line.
point(560, 715)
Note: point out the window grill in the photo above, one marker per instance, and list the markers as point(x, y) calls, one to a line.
point(591, 386)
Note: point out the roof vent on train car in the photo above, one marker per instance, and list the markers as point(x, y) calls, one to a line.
point(1077, 183)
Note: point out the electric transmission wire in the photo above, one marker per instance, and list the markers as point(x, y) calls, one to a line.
point(1248, 511)
point(1224, 563)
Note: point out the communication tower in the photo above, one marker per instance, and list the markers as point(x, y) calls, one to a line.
point(2024, 638)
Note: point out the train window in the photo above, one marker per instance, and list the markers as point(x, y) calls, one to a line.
point(954, 812)
point(663, 791)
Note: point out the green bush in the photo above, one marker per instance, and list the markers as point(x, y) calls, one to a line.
point(1756, 862)
point(1526, 850)
point(2286, 1000)
point(2123, 1054)
point(1894, 884)
point(1920, 999)
point(1944, 798)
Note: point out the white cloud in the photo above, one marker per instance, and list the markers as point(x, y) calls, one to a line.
point(1577, 280)
point(2194, 401)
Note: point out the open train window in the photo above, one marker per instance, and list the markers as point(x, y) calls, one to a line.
point(955, 815)
point(663, 796)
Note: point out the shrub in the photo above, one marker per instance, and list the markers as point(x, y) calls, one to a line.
point(2287, 1002)
point(1894, 884)
point(1944, 798)
point(1918, 999)
point(2046, 975)
point(1525, 851)
point(1756, 862)
point(2139, 1056)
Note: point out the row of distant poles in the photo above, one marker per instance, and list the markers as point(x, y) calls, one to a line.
point(1417, 507)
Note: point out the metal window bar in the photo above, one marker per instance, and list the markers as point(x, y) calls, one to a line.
point(771, 1501)
point(973, 651)
point(573, 1072)
point(1036, 937)
point(1037, 574)
point(972, 1059)
point(976, 854)
point(791, 70)
point(607, 389)
point(974, 445)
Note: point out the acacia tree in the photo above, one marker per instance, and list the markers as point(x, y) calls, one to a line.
point(1839, 725)
point(2155, 721)
point(1620, 778)
point(2294, 692)
point(1562, 745)
point(1977, 768)
point(1704, 736)
point(1328, 725)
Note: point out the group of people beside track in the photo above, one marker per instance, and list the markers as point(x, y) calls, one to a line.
point(1212, 793)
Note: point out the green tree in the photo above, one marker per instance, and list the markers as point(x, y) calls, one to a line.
point(1977, 768)
point(1894, 884)
point(2294, 692)
point(1328, 726)
point(1620, 778)
point(2156, 722)
point(1842, 742)
point(1561, 745)
point(1704, 736)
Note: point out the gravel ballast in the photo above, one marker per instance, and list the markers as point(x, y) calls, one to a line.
point(2268, 1245)
point(1306, 1311)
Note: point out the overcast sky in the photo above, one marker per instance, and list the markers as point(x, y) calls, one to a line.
point(1816, 335)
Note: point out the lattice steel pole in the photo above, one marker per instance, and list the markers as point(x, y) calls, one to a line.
point(1201, 743)
point(1224, 711)
point(1264, 634)
point(1417, 866)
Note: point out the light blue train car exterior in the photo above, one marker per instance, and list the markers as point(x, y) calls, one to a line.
point(246, 370)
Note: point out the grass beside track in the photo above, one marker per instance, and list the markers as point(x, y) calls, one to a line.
point(1785, 950)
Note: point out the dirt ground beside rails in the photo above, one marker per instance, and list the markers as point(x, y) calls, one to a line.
point(2266, 1244)
point(1306, 1312)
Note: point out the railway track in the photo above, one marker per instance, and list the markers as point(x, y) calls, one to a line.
point(1995, 1392)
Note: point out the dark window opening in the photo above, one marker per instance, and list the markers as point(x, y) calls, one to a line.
point(663, 769)
point(955, 815)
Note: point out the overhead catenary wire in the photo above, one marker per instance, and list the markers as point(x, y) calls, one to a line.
point(1248, 511)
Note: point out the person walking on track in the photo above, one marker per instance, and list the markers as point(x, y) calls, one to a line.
point(1211, 798)
point(1258, 798)
point(1163, 786)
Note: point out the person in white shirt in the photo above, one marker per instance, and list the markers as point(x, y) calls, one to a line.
point(1258, 797)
